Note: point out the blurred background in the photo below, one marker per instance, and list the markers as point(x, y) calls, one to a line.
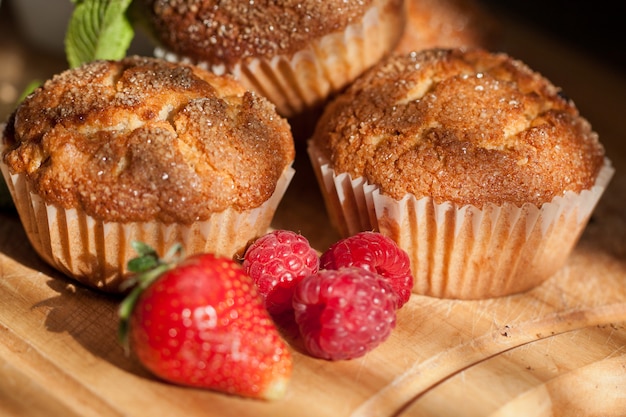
point(39, 26)
point(595, 28)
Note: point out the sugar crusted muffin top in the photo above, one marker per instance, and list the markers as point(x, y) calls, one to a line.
point(228, 31)
point(142, 139)
point(465, 126)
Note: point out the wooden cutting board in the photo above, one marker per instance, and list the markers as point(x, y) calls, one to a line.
point(557, 350)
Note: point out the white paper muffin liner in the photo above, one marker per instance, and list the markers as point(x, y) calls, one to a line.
point(96, 253)
point(302, 80)
point(464, 252)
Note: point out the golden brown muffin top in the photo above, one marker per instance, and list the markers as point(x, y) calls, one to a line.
point(447, 24)
point(227, 31)
point(142, 139)
point(467, 127)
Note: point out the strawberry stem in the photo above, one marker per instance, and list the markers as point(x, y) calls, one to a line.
point(148, 267)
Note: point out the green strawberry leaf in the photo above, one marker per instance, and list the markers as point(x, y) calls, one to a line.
point(148, 267)
point(147, 258)
point(98, 29)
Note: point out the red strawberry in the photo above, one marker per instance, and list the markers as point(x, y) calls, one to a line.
point(377, 253)
point(344, 313)
point(276, 262)
point(200, 322)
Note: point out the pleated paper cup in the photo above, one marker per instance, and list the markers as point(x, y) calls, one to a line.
point(464, 252)
point(96, 252)
point(305, 79)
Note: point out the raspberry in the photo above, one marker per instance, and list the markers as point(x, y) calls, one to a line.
point(344, 313)
point(276, 262)
point(377, 253)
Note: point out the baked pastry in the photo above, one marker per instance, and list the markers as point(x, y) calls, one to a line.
point(448, 24)
point(296, 53)
point(473, 163)
point(142, 149)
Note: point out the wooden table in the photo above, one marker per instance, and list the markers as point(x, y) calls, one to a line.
point(557, 350)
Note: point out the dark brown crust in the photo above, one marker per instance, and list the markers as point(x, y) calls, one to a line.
point(141, 139)
point(467, 127)
point(226, 32)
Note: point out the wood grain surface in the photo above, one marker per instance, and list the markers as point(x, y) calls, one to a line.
point(557, 350)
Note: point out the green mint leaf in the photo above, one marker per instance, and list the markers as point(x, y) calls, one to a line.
point(98, 29)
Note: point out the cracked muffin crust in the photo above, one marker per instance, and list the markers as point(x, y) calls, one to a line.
point(142, 139)
point(469, 127)
point(295, 53)
point(225, 32)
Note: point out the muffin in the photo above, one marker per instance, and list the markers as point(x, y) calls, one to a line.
point(476, 165)
point(447, 24)
point(296, 53)
point(143, 150)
